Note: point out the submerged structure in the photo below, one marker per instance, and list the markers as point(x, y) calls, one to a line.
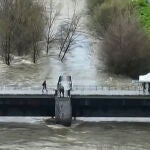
point(63, 108)
point(75, 101)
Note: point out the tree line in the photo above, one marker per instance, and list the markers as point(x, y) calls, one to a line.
point(24, 24)
point(21, 28)
point(118, 25)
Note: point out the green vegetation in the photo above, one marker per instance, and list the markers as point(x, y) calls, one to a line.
point(144, 13)
point(125, 48)
point(102, 13)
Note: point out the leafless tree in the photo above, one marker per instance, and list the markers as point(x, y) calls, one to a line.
point(53, 13)
point(21, 28)
point(36, 30)
point(6, 31)
point(68, 33)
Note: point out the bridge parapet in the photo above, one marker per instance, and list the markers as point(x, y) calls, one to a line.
point(77, 90)
point(25, 90)
point(107, 90)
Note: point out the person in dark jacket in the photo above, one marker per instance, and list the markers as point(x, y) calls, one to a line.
point(144, 87)
point(44, 87)
point(61, 90)
point(149, 87)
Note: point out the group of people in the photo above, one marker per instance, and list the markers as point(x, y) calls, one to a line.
point(144, 84)
point(60, 88)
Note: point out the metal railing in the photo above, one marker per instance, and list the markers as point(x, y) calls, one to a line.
point(25, 90)
point(108, 88)
point(78, 89)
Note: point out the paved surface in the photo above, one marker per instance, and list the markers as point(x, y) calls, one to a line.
point(108, 92)
point(76, 91)
point(31, 91)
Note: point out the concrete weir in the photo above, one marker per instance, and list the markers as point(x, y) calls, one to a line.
point(63, 111)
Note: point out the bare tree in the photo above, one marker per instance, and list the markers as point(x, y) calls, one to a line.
point(36, 27)
point(125, 47)
point(6, 30)
point(69, 33)
point(22, 41)
point(21, 28)
point(35, 52)
point(53, 13)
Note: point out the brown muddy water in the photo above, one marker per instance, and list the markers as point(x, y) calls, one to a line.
point(82, 63)
point(85, 67)
point(37, 134)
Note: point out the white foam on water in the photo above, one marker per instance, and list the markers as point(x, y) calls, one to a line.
point(38, 120)
point(26, 61)
point(56, 126)
point(30, 120)
point(115, 119)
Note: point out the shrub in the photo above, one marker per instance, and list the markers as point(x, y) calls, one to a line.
point(126, 47)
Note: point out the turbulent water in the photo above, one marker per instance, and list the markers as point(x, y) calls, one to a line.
point(37, 134)
point(82, 62)
point(85, 68)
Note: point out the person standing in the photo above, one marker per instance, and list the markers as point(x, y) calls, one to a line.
point(44, 87)
point(144, 86)
point(61, 90)
point(149, 87)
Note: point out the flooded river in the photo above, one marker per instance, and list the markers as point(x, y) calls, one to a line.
point(37, 134)
point(82, 63)
point(85, 67)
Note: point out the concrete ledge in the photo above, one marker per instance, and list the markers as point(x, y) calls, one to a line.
point(63, 111)
point(79, 106)
point(140, 97)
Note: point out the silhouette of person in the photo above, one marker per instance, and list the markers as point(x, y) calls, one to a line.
point(44, 87)
point(69, 93)
point(61, 90)
point(149, 87)
point(144, 86)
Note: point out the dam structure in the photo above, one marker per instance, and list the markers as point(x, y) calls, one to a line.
point(77, 101)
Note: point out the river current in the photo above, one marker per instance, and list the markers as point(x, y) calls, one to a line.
point(82, 63)
point(39, 134)
point(85, 67)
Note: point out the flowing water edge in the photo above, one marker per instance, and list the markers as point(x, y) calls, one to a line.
point(17, 133)
point(82, 63)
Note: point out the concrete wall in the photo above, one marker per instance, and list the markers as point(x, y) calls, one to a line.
point(63, 111)
point(90, 106)
point(27, 105)
point(111, 106)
